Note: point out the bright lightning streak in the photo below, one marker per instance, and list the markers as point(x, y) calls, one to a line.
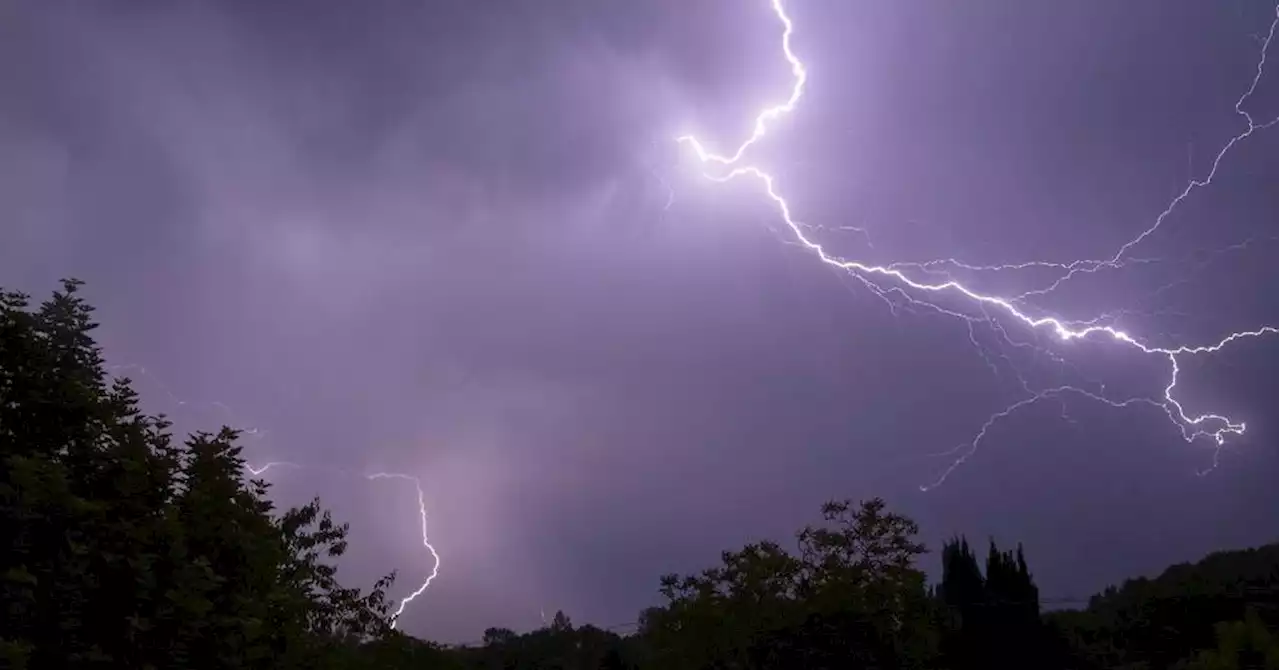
point(1213, 426)
point(801, 76)
point(262, 469)
point(1192, 186)
point(422, 515)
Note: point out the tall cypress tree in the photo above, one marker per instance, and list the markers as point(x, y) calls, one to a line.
point(991, 617)
point(962, 598)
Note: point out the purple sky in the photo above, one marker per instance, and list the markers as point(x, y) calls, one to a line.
point(430, 237)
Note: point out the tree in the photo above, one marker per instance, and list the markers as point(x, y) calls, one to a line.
point(494, 637)
point(1241, 644)
point(124, 550)
point(989, 620)
point(82, 475)
point(560, 623)
point(850, 597)
point(1162, 621)
point(962, 594)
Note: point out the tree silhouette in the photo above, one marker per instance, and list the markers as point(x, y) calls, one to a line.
point(1241, 644)
point(989, 619)
point(124, 550)
point(850, 597)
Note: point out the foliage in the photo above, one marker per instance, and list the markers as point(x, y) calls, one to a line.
point(1241, 644)
point(990, 620)
point(850, 596)
point(559, 645)
point(1164, 620)
point(123, 549)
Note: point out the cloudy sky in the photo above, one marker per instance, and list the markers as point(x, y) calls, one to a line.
point(456, 239)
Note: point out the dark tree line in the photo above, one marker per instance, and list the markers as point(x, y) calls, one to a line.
point(125, 549)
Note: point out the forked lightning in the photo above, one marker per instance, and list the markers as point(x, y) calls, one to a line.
point(917, 290)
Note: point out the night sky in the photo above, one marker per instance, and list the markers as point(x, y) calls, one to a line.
point(457, 239)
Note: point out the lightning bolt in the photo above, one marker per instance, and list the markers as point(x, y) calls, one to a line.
point(915, 290)
point(258, 471)
point(422, 516)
